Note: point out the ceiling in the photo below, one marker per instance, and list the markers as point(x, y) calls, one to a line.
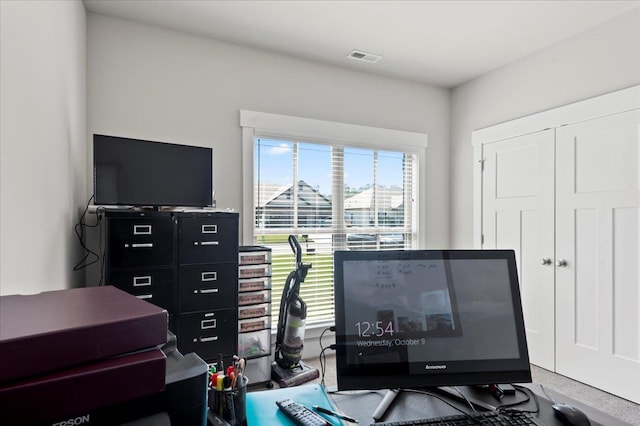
point(442, 43)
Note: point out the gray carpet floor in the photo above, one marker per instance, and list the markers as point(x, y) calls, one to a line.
point(603, 401)
point(617, 407)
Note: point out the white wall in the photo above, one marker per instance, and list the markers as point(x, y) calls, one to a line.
point(42, 143)
point(151, 83)
point(598, 61)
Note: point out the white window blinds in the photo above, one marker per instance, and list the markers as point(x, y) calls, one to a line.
point(336, 186)
point(332, 196)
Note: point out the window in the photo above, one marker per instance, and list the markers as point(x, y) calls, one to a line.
point(350, 188)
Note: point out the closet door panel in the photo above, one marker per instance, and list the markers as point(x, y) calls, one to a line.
point(626, 291)
point(586, 294)
point(517, 213)
point(597, 201)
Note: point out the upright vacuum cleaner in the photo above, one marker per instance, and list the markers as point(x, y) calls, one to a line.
point(288, 368)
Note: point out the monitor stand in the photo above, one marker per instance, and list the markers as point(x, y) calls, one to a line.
point(483, 397)
point(488, 397)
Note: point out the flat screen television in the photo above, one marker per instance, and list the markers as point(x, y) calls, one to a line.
point(428, 318)
point(137, 172)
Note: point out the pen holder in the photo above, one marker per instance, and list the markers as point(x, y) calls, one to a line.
point(231, 404)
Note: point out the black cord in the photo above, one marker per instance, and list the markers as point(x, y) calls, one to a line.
point(322, 358)
point(529, 396)
point(473, 408)
point(550, 397)
point(79, 229)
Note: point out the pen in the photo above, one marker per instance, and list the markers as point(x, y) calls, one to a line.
point(228, 411)
point(333, 413)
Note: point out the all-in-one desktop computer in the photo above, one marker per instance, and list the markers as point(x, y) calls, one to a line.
point(428, 318)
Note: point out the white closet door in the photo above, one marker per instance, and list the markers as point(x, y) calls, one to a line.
point(517, 213)
point(597, 212)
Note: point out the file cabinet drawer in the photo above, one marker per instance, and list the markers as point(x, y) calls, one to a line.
point(208, 333)
point(156, 286)
point(208, 239)
point(207, 287)
point(140, 242)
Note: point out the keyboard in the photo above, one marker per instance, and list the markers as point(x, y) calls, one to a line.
point(488, 418)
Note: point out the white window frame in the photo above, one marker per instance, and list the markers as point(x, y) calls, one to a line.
point(266, 125)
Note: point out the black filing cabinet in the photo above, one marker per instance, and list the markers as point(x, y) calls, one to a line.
point(207, 284)
point(185, 262)
point(140, 256)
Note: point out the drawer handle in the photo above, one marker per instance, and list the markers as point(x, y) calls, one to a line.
point(208, 339)
point(206, 291)
point(141, 229)
point(209, 229)
point(211, 323)
point(142, 281)
point(206, 243)
point(145, 296)
point(209, 276)
point(140, 245)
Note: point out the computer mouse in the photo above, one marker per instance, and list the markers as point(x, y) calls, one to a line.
point(570, 415)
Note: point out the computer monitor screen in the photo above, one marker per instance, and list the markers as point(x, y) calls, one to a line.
point(422, 318)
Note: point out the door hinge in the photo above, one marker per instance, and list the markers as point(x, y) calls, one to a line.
point(482, 239)
point(481, 164)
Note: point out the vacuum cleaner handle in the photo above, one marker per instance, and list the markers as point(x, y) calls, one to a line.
point(297, 250)
point(301, 268)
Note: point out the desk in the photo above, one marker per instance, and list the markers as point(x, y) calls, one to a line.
point(408, 405)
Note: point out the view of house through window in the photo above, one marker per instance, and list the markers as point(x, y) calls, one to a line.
point(331, 197)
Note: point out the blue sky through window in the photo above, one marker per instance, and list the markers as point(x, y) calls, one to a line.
point(275, 165)
point(314, 166)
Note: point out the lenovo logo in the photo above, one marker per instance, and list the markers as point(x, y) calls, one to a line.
point(435, 367)
point(80, 420)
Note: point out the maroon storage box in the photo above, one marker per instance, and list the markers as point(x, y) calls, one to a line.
point(83, 388)
point(52, 330)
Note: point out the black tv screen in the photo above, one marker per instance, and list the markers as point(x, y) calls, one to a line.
point(136, 172)
point(427, 318)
